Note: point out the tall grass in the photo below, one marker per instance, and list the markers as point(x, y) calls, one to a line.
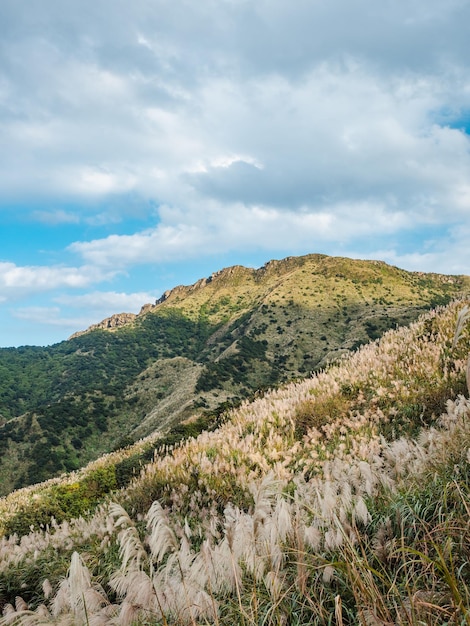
point(343, 499)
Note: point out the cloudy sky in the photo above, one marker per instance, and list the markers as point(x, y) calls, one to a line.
point(147, 144)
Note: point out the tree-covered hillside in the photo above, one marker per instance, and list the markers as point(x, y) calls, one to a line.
point(200, 349)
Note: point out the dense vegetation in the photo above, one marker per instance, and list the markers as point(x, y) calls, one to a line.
point(202, 348)
point(71, 393)
point(343, 498)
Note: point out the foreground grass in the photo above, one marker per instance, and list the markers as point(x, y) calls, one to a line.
point(341, 499)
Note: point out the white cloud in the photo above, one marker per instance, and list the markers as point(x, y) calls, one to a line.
point(215, 230)
point(104, 218)
point(236, 126)
point(51, 316)
point(451, 260)
point(55, 217)
point(92, 307)
point(87, 309)
point(326, 107)
point(23, 280)
point(39, 314)
point(227, 161)
point(448, 253)
point(100, 182)
point(108, 300)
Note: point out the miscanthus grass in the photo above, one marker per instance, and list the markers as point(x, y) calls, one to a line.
point(340, 499)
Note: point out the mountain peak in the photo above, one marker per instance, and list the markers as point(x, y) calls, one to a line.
point(247, 283)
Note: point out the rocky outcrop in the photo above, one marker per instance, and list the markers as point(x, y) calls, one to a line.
point(110, 323)
point(184, 290)
point(224, 275)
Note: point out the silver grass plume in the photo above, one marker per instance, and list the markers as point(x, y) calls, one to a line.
point(20, 615)
point(274, 585)
point(264, 494)
point(72, 589)
point(217, 567)
point(212, 567)
point(360, 513)
point(46, 588)
point(134, 585)
point(131, 582)
point(131, 550)
point(276, 529)
point(462, 318)
point(162, 538)
point(24, 618)
point(230, 547)
point(77, 594)
point(20, 604)
point(183, 596)
point(137, 590)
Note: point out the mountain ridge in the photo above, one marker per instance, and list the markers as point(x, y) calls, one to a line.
point(202, 348)
point(273, 266)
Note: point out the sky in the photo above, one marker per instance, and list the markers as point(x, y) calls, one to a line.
point(147, 144)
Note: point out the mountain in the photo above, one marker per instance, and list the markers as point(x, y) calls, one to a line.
point(341, 498)
point(198, 350)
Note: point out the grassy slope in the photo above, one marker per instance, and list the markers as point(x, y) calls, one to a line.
point(206, 345)
point(345, 494)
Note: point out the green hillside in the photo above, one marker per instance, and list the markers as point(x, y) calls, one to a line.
point(198, 350)
point(343, 498)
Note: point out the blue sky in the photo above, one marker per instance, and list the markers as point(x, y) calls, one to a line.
point(148, 144)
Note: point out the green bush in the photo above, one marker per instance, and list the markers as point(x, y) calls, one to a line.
point(65, 501)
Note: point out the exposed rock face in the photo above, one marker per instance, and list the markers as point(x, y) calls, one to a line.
point(146, 308)
point(228, 273)
point(115, 321)
point(183, 290)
